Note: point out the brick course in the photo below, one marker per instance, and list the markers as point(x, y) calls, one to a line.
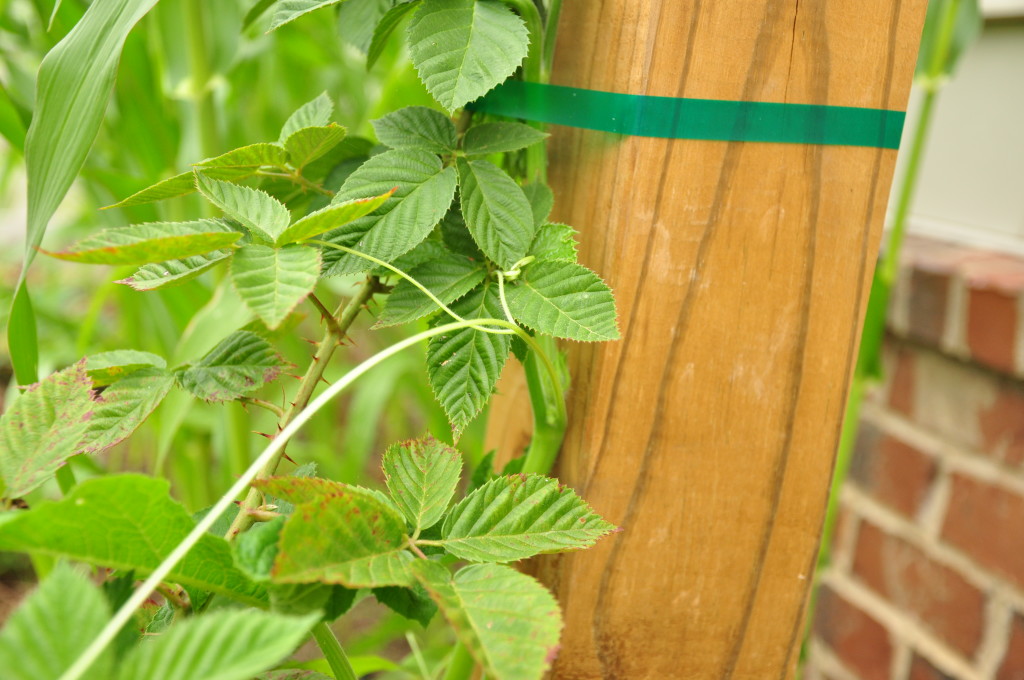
point(926, 580)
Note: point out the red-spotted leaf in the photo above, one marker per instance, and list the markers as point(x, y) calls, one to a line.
point(109, 367)
point(338, 534)
point(44, 427)
point(238, 365)
point(147, 243)
point(124, 406)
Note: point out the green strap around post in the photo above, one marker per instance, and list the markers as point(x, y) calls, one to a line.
point(685, 118)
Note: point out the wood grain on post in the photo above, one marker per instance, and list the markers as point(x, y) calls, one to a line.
point(741, 272)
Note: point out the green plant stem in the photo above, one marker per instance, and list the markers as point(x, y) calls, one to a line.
point(551, 34)
point(333, 652)
point(272, 451)
point(332, 336)
point(462, 664)
point(931, 85)
point(547, 401)
point(201, 72)
point(534, 71)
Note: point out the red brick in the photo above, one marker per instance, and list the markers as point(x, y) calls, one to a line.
point(920, 669)
point(857, 639)
point(895, 473)
point(940, 598)
point(987, 522)
point(901, 384)
point(1002, 425)
point(929, 294)
point(991, 327)
point(1012, 667)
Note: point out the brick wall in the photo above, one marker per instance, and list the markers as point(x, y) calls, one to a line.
point(927, 574)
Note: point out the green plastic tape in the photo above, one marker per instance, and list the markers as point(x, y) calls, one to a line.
point(682, 118)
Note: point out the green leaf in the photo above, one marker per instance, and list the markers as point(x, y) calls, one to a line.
point(423, 191)
point(448, 277)
point(307, 144)
point(295, 674)
point(412, 603)
point(290, 10)
point(314, 113)
point(512, 518)
point(427, 250)
point(255, 12)
point(249, 157)
point(331, 217)
point(148, 243)
point(182, 185)
point(109, 367)
point(488, 138)
point(385, 27)
point(43, 428)
point(456, 236)
point(357, 20)
point(416, 127)
point(508, 621)
point(264, 216)
point(255, 549)
point(463, 48)
point(222, 645)
point(338, 534)
point(74, 83)
point(463, 367)
point(174, 272)
point(565, 300)
point(936, 59)
point(53, 627)
point(238, 365)
point(555, 242)
point(148, 525)
point(272, 281)
point(123, 407)
point(541, 199)
point(421, 475)
point(496, 210)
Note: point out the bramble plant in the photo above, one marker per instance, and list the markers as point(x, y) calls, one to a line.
point(447, 221)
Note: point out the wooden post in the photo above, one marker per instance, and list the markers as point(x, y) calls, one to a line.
point(741, 272)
